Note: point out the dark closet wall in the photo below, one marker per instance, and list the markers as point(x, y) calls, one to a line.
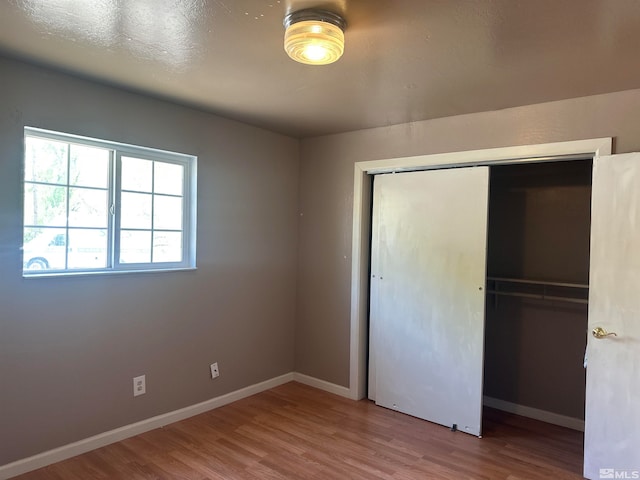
point(539, 227)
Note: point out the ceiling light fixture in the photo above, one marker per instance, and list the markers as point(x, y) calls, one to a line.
point(314, 37)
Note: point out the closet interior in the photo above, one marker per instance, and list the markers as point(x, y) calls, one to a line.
point(479, 290)
point(537, 287)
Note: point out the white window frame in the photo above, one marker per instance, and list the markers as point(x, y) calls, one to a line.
point(117, 151)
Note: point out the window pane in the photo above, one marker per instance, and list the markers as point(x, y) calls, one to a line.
point(89, 166)
point(135, 210)
point(167, 213)
point(136, 174)
point(88, 208)
point(44, 248)
point(87, 248)
point(135, 247)
point(45, 205)
point(168, 178)
point(167, 247)
point(97, 205)
point(45, 160)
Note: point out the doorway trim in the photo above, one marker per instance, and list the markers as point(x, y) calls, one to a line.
point(360, 250)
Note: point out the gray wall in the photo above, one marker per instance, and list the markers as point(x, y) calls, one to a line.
point(69, 347)
point(326, 198)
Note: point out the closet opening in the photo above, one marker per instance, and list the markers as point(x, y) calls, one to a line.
point(537, 290)
point(536, 310)
point(503, 249)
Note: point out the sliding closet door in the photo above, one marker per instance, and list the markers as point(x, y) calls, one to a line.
point(428, 271)
point(612, 417)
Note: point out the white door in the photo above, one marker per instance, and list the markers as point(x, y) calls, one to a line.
point(428, 269)
point(612, 416)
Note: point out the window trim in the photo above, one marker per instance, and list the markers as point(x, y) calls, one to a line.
point(117, 151)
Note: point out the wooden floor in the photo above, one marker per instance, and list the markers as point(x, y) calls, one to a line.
point(297, 432)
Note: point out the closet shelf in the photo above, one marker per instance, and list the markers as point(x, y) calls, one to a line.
point(538, 289)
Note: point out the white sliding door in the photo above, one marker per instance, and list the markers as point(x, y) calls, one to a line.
point(428, 270)
point(612, 417)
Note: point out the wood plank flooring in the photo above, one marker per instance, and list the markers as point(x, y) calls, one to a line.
point(297, 432)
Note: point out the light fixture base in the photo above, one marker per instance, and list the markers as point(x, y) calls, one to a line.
point(317, 15)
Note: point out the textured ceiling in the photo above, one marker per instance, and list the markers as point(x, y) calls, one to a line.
point(404, 60)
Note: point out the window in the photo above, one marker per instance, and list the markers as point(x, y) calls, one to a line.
point(98, 206)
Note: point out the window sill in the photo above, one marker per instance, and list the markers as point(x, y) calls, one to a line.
point(105, 273)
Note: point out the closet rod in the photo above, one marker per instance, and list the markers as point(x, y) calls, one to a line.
point(540, 297)
point(538, 282)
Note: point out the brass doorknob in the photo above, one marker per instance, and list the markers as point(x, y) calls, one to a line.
point(600, 332)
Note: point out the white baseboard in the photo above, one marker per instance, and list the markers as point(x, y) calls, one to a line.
point(71, 450)
point(322, 385)
point(542, 415)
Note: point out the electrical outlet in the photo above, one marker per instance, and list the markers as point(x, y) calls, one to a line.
point(139, 385)
point(215, 373)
